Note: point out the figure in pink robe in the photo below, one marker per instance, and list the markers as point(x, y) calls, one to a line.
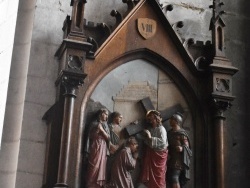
point(98, 150)
point(124, 162)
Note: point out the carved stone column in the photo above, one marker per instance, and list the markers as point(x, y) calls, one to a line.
point(69, 80)
point(222, 96)
point(219, 106)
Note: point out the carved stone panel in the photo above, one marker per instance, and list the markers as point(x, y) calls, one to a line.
point(168, 93)
point(123, 88)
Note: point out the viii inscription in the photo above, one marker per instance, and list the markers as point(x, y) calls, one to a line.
point(146, 27)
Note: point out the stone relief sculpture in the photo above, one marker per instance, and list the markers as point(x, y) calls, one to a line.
point(128, 119)
point(179, 153)
point(99, 138)
point(111, 161)
point(115, 131)
point(155, 158)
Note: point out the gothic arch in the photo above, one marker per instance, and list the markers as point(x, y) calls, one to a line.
point(197, 113)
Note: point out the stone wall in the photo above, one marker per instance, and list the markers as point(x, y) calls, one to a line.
point(237, 19)
point(8, 14)
point(40, 95)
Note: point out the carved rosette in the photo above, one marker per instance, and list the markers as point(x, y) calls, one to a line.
point(75, 62)
point(223, 85)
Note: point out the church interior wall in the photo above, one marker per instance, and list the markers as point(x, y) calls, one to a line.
point(237, 50)
point(40, 91)
point(40, 94)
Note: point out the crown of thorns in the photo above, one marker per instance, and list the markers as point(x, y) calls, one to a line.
point(154, 112)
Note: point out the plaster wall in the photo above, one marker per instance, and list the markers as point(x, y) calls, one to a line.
point(103, 8)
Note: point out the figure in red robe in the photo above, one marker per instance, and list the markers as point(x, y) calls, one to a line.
point(154, 164)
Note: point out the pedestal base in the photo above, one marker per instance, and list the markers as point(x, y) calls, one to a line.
point(60, 185)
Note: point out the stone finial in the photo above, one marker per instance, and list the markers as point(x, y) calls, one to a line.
point(76, 30)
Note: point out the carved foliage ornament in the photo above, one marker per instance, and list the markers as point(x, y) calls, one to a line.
point(146, 27)
point(75, 62)
point(222, 85)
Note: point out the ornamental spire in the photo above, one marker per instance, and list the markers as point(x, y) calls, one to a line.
point(217, 26)
point(217, 8)
point(77, 20)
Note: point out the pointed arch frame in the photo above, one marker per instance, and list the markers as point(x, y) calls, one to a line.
point(201, 145)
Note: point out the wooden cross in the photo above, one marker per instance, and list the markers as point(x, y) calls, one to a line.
point(147, 105)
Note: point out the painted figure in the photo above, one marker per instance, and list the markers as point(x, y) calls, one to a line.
point(125, 161)
point(99, 138)
point(115, 130)
point(179, 153)
point(154, 164)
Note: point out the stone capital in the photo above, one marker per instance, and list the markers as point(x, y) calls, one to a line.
point(220, 106)
point(70, 80)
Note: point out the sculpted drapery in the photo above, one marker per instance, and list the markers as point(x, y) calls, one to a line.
point(155, 158)
point(99, 137)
